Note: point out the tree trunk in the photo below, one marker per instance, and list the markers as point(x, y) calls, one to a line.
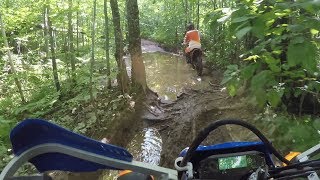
point(122, 77)
point(46, 33)
point(53, 54)
point(92, 47)
point(198, 14)
point(107, 44)
point(138, 70)
point(66, 54)
point(187, 13)
point(70, 36)
point(78, 28)
point(13, 70)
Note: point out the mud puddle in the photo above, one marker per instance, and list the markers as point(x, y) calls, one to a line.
point(195, 102)
point(162, 130)
point(169, 75)
point(146, 146)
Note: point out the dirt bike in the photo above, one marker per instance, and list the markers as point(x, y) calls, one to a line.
point(50, 147)
point(195, 59)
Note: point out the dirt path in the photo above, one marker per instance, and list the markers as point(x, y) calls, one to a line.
point(180, 121)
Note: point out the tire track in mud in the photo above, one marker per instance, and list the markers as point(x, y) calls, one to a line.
point(180, 121)
point(193, 111)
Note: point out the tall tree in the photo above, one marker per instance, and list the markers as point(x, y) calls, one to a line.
point(92, 46)
point(45, 33)
point(52, 48)
point(138, 69)
point(122, 76)
point(198, 14)
point(78, 9)
point(187, 12)
point(107, 44)
point(70, 43)
point(12, 68)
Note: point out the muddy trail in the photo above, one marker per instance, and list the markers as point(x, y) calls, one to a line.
point(186, 104)
point(158, 127)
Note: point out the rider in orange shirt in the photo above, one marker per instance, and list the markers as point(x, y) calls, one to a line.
point(192, 39)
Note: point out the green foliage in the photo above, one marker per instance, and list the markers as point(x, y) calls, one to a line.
point(303, 53)
point(24, 25)
point(166, 29)
point(5, 127)
point(289, 133)
point(281, 56)
point(231, 80)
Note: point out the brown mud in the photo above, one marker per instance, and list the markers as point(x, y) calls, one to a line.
point(195, 107)
point(182, 104)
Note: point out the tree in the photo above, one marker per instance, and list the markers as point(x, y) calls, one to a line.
point(13, 70)
point(52, 46)
point(198, 14)
point(122, 76)
point(92, 46)
point(70, 44)
point(45, 33)
point(138, 69)
point(107, 43)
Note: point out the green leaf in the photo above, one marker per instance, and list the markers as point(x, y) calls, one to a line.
point(296, 27)
point(314, 85)
point(230, 74)
point(263, 79)
point(240, 19)
point(274, 97)
point(243, 32)
point(232, 89)
point(252, 58)
point(261, 98)
point(259, 83)
point(259, 27)
point(249, 70)
point(310, 6)
point(273, 64)
point(224, 18)
point(314, 31)
point(302, 54)
point(316, 124)
point(299, 39)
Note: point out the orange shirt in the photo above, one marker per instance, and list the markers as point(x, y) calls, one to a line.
point(192, 35)
point(192, 38)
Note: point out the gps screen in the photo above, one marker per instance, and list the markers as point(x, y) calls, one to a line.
point(232, 162)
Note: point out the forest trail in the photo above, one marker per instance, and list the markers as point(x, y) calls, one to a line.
point(187, 103)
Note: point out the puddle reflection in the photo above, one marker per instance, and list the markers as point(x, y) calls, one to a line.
point(168, 75)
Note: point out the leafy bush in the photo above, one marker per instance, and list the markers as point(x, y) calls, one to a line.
point(289, 133)
point(282, 61)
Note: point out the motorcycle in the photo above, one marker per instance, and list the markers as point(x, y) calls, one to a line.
point(195, 60)
point(50, 147)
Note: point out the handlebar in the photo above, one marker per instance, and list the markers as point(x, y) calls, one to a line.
point(205, 132)
point(247, 160)
point(292, 170)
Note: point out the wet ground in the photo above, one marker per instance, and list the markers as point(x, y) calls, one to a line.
point(169, 75)
point(187, 104)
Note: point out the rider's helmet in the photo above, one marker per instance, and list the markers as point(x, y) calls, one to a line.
point(190, 27)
